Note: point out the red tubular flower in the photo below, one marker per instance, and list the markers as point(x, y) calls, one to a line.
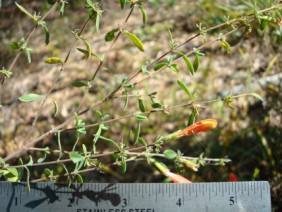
point(176, 178)
point(232, 177)
point(200, 126)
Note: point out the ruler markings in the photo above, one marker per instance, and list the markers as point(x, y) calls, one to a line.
point(142, 191)
point(196, 190)
point(156, 197)
point(189, 189)
point(222, 189)
point(169, 191)
point(255, 197)
point(261, 191)
point(235, 190)
point(210, 189)
point(248, 188)
point(128, 194)
point(183, 195)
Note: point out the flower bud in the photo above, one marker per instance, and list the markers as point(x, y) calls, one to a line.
point(190, 164)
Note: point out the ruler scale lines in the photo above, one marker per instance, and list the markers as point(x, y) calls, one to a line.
point(139, 197)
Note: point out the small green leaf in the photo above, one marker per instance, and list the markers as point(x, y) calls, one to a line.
point(263, 24)
point(55, 108)
point(160, 65)
point(30, 163)
point(15, 45)
point(127, 85)
point(170, 154)
point(141, 117)
point(97, 22)
point(184, 88)
point(256, 95)
point(196, 62)
point(109, 140)
point(171, 40)
point(200, 54)
point(123, 165)
point(62, 9)
point(122, 3)
point(126, 99)
point(144, 69)
point(47, 34)
point(142, 141)
point(174, 67)
point(79, 125)
point(27, 52)
point(86, 52)
point(22, 42)
point(12, 175)
point(20, 170)
point(141, 105)
point(78, 178)
point(53, 60)
point(67, 172)
point(84, 149)
point(40, 160)
point(137, 133)
point(30, 97)
point(192, 117)
point(48, 172)
point(87, 47)
point(98, 113)
point(79, 84)
point(157, 105)
point(6, 73)
point(104, 118)
point(226, 45)
point(75, 157)
point(135, 40)
point(144, 14)
point(110, 35)
point(188, 62)
point(25, 11)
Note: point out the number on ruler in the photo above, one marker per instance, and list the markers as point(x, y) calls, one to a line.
point(124, 202)
point(231, 200)
point(179, 202)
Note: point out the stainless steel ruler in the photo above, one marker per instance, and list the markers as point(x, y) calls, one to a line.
point(136, 197)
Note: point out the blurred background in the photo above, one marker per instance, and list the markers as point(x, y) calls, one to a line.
point(249, 133)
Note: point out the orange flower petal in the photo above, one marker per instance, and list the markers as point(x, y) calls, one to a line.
point(176, 178)
point(201, 126)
